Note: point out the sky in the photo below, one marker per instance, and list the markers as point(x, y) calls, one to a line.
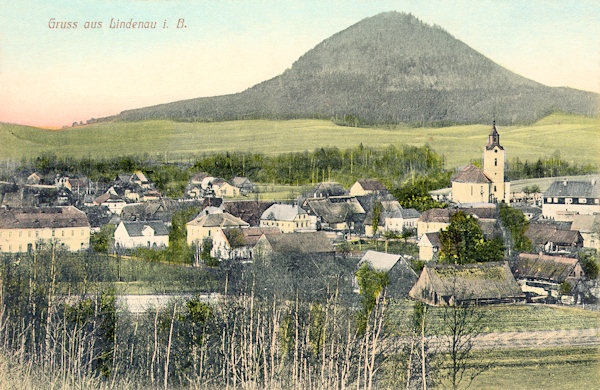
point(51, 75)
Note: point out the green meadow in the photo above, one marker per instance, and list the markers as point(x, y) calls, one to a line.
point(576, 137)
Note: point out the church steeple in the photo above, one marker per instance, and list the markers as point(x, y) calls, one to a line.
point(494, 138)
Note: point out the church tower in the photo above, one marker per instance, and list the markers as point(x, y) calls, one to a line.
point(493, 165)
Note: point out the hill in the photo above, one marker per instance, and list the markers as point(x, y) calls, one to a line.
point(575, 136)
point(389, 68)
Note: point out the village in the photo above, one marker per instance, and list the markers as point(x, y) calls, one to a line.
point(549, 260)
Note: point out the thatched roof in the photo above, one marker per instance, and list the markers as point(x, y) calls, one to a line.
point(443, 284)
point(300, 242)
point(551, 268)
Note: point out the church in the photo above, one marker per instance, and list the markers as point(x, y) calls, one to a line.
point(487, 185)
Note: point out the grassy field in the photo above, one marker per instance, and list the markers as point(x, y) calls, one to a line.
point(557, 368)
point(577, 138)
point(514, 318)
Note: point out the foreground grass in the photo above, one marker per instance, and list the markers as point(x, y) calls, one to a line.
point(564, 368)
point(575, 136)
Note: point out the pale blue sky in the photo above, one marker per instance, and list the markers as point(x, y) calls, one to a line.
point(54, 76)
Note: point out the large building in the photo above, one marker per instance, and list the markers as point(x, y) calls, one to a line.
point(487, 185)
point(22, 229)
point(565, 199)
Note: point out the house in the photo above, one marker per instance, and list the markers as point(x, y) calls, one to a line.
point(134, 234)
point(198, 177)
point(367, 186)
point(243, 183)
point(338, 213)
point(325, 190)
point(589, 228)
point(541, 275)
point(451, 284)
point(429, 246)
point(151, 195)
point(140, 179)
point(474, 185)
point(401, 276)
point(566, 198)
point(394, 218)
point(34, 178)
point(247, 210)
point(434, 220)
point(238, 244)
point(206, 225)
point(22, 229)
point(288, 218)
point(299, 244)
point(114, 203)
point(551, 238)
point(157, 210)
point(222, 189)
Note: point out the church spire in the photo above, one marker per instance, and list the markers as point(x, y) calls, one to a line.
point(494, 138)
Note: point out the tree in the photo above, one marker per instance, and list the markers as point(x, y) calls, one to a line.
point(462, 322)
point(376, 216)
point(463, 242)
point(103, 240)
point(459, 240)
point(516, 222)
point(371, 284)
point(589, 265)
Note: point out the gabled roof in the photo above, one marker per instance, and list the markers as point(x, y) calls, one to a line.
point(379, 261)
point(198, 177)
point(542, 233)
point(282, 212)
point(552, 268)
point(371, 185)
point(432, 238)
point(481, 281)
point(247, 210)
point(334, 212)
point(42, 217)
point(135, 228)
point(224, 220)
point(574, 188)
point(436, 215)
point(251, 235)
point(241, 182)
point(326, 189)
point(300, 242)
point(470, 174)
point(585, 223)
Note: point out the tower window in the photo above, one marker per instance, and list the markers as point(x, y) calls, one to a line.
point(495, 162)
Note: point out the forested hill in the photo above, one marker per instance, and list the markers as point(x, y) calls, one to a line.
point(388, 68)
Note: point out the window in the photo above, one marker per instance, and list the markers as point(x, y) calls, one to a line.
point(582, 200)
point(495, 162)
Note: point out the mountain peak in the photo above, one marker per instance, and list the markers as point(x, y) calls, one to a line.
point(390, 67)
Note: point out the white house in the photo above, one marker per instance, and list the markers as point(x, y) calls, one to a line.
point(566, 198)
point(133, 234)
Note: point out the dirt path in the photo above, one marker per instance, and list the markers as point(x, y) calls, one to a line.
point(539, 339)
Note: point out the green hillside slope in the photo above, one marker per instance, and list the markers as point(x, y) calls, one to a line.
point(576, 137)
